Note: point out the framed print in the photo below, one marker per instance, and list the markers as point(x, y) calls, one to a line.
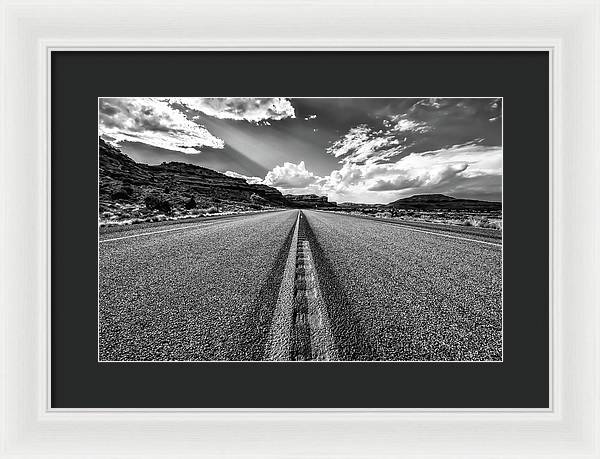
point(355, 240)
point(316, 237)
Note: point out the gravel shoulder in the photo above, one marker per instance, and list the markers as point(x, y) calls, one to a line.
point(398, 294)
point(202, 293)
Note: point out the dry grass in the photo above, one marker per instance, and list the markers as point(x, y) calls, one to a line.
point(492, 220)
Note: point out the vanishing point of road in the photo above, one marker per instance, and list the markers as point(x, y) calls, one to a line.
point(299, 285)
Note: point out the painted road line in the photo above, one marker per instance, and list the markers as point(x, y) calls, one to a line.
point(311, 332)
point(321, 339)
point(279, 346)
point(410, 228)
point(437, 233)
point(301, 342)
point(227, 218)
point(152, 232)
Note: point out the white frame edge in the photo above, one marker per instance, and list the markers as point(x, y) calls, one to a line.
point(569, 29)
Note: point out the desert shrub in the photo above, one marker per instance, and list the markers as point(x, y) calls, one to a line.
point(125, 192)
point(212, 210)
point(496, 225)
point(190, 203)
point(120, 194)
point(485, 223)
point(165, 206)
point(154, 202)
point(481, 223)
point(151, 201)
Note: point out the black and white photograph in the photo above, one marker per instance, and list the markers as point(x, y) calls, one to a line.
point(280, 229)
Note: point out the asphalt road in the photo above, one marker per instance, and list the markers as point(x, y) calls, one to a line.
point(200, 291)
point(209, 290)
point(401, 293)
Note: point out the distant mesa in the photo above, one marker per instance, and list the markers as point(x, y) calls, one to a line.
point(443, 202)
point(306, 197)
point(309, 200)
point(352, 205)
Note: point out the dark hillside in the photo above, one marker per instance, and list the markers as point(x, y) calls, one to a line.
point(131, 189)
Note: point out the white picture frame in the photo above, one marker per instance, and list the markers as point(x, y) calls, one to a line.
point(568, 29)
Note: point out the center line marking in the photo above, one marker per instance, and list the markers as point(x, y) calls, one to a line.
point(321, 339)
point(279, 346)
point(300, 329)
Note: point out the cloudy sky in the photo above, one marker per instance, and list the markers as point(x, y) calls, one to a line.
point(357, 150)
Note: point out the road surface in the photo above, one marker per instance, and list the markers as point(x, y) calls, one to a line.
point(294, 285)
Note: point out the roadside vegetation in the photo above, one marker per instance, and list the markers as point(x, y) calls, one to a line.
point(478, 219)
point(160, 207)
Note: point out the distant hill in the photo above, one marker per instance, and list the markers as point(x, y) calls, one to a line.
point(443, 202)
point(124, 181)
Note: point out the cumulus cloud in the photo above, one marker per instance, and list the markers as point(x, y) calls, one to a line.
point(254, 110)
point(251, 180)
point(290, 176)
point(153, 122)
